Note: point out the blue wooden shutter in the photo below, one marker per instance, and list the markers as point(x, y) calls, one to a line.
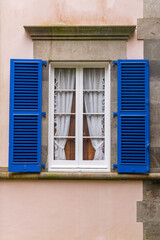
point(25, 115)
point(133, 116)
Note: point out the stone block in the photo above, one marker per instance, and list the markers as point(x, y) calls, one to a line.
point(45, 72)
point(113, 123)
point(151, 191)
point(154, 111)
point(80, 50)
point(152, 49)
point(113, 156)
point(155, 135)
point(155, 158)
point(44, 156)
point(154, 92)
point(148, 28)
point(113, 83)
point(154, 69)
point(151, 231)
point(151, 8)
point(45, 99)
point(45, 93)
point(44, 134)
point(148, 211)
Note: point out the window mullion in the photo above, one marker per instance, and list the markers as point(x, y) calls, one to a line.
point(79, 113)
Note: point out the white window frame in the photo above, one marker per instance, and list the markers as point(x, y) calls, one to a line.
point(79, 165)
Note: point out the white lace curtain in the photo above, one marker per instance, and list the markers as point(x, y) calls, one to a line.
point(64, 80)
point(94, 103)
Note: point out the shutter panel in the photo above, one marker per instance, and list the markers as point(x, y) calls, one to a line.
point(25, 116)
point(133, 116)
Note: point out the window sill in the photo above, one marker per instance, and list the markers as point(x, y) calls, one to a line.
point(77, 176)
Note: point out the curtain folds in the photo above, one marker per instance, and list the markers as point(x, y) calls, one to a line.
point(94, 103)
point(64, 80)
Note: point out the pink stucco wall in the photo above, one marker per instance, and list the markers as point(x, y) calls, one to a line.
point(15, 43)
point(97, 210)
point(70, 210)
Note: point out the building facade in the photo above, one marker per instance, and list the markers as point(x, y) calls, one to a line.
point(65, 63)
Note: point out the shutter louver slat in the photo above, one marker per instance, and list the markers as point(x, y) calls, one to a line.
point(25, 116)
point(133, 116)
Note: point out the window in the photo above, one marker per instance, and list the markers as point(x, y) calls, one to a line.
point(79, 117)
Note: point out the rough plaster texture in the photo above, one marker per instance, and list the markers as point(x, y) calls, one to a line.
point(15, 43)
point(81, 210)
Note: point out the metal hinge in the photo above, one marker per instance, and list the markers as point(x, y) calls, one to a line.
point(42, 165)
point(44, 63)
point(115, 166)
point(114, 63)
point(114, 114)
point(43, 114)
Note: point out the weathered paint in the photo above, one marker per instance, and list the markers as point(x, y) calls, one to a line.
point(97, 210)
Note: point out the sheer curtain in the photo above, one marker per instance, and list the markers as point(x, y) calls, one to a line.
point(94, 103)
point(64, 79)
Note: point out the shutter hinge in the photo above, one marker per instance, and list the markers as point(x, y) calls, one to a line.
point(114, 63)
point(114, 114)
point(42, 165)
point(43, 114)
point(44, 63)
point(115, 166)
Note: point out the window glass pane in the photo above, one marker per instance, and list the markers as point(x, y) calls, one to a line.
point(93, 113)
point(68, 151)
point(64, 114)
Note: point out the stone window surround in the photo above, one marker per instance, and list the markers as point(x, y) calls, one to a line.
point(54, 43)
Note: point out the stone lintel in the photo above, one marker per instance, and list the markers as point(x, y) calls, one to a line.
point(79, 32)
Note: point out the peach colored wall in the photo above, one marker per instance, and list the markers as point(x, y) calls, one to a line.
point(70, 210)
point(97, 210)
point(15, 43)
